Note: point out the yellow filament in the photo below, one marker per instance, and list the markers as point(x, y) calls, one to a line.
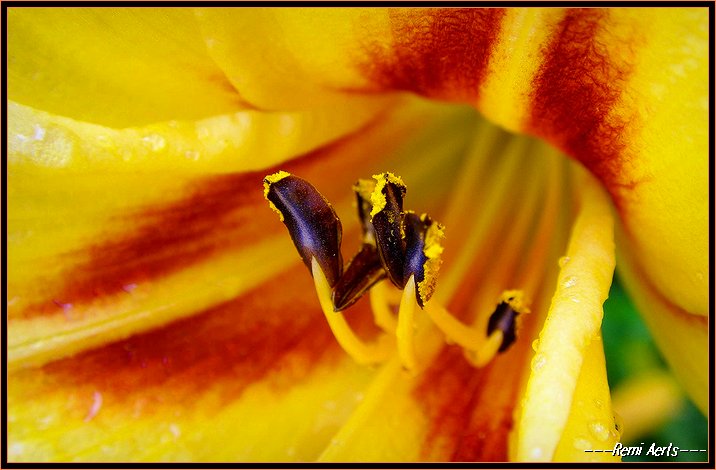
point(485, 140)
point(489, 348)
point(528, 277)
point(360, 351)
point(480, 347)
point(405, 332)
point(379, 304)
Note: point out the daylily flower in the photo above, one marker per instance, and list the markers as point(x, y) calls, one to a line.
point(158, 311)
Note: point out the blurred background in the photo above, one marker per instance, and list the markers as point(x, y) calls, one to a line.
point(651, 405)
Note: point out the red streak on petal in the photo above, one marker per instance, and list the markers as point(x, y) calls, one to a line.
point(218, 213)
point(441, 54)
point(574, 93)
point(275, 334)
point(470, 410)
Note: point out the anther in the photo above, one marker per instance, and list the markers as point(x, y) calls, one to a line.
point(363, 190)
point(387, 220)
point(310, 219)
point(505, 317)
point(363, 271)
point(423, 247)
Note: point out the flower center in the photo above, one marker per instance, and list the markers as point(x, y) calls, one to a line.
point(397, 245)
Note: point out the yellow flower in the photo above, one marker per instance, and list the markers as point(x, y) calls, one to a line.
point(158, 311)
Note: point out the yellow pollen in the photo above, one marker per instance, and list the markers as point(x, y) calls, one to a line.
point(433, 249)
point(377, 198)
point(364, 188)
point(516, 300)
point(268, 181)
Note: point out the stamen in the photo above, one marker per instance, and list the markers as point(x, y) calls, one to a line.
point(495, 334)
point(310, 219)
point(380, 305)
point(405, 332)
point(480, 348)
point(364, 189)
point(505, 317)
point(387, 219)
point(360, 351)
point(363, 271)
point(423, 247)
point(487, 351)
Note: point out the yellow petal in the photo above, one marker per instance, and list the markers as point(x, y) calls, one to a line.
point(572, 324)
point(261, 369)
point(303, 60)
point(242, 141)
point(590, 424)
point(115, 66)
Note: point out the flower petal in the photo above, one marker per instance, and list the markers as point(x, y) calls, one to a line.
point(624, 91)
point(590, 425)
point(276, 383)
point(243, 141)
point(572, 323)
point(115, 66)
point(98, 255)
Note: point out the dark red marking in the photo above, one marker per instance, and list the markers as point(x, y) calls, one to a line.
point(219, 213)
point(574, 91)
point(275, 334)
point(436, 53)
point(470, 410)
point(216, 214)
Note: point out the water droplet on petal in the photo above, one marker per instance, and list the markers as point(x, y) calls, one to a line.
point(16, 449)
point(570, 282)
point(536, 453)
point(599, 431)
point(535, 345)
point(538, 362)
point(103, 141)
point(563, 261)
point(154, 141)
point(39, 133)
point(582, 444)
